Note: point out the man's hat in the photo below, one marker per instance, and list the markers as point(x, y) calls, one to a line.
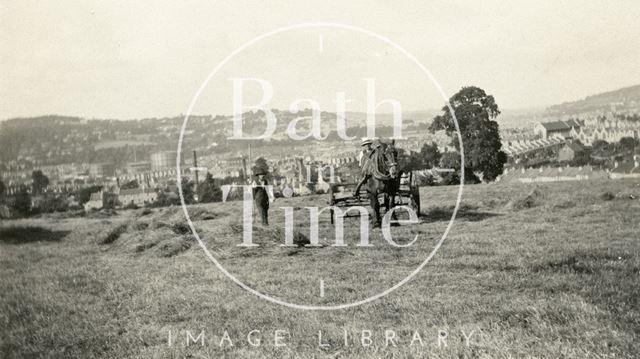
point(260, 171)
point(366, 141)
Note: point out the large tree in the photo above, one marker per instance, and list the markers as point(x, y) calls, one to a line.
point(451, 160)
point(475, 112)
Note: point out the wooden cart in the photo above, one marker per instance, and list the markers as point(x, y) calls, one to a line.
point(341, 195)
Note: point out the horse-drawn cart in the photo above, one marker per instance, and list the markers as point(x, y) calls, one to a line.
point(341, 195)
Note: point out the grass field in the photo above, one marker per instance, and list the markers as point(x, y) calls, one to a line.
point(527, 271)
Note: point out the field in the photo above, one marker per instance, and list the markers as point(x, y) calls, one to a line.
point(526, 271)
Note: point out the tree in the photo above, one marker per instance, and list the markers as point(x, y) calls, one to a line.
point(430, 155)
point(130, 185)
point(208, 190)
point(52, 203)
point(187, 190)
point(582, 158)
point(2, 189)
point(40, 182)
point(598, 144)
point(166, 198)
point(628, 143)
point(84, 194)
point(22, 201)
point(474, 111)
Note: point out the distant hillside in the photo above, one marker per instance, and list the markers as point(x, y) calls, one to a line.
point(624, 100)
point(53, 140)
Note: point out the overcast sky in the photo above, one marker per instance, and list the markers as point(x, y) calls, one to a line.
point(125, 59)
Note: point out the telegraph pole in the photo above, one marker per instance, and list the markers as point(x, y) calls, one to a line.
point(250, 163)
point(195, 164)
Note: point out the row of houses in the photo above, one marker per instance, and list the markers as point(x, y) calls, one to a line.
point(588, 130)
point(559, 174)
point(611, 121)
point(547, 134)
point(588, 136)
point(124, 197)
point(524, 145)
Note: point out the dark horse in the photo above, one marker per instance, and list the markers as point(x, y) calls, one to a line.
point(384, 178)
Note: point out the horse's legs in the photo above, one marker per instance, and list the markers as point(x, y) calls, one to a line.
point(390, 202)
point(375, 206)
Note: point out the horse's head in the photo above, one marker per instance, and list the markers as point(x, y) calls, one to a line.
point(390, 157)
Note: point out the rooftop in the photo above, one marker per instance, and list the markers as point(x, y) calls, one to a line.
point(561, 125)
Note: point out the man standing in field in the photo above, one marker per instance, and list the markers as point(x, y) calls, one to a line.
point(262, 195)
point(364, 162)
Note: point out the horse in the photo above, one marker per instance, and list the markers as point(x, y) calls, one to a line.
point(384, 178)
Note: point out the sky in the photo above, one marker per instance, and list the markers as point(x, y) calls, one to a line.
point(124, 59)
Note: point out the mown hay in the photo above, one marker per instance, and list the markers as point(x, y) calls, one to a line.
point(103, 213)
point(144, 246)
point(565, 204)
point(174, 246)
point(145, 211)
point(201, 214)
point(139, 226)
point(144, 240)
point(181, 228)
point(532, 199)
point(113, 234)
point(276, 235)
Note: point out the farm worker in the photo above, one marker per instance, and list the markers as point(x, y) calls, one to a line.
point(364, 158)
point(262, 195)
